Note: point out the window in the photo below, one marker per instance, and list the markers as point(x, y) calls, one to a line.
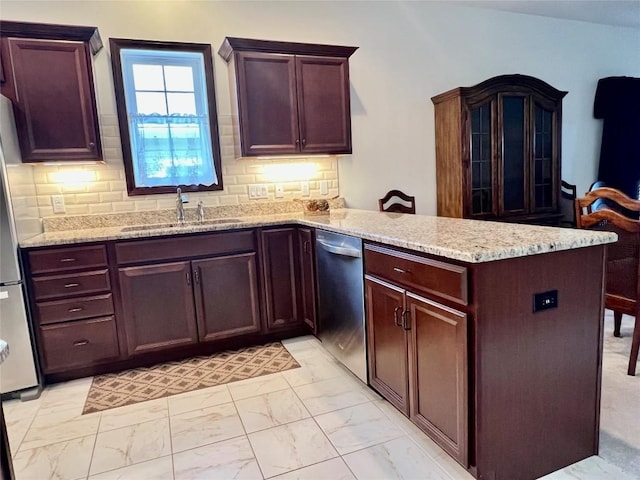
point(165, 98)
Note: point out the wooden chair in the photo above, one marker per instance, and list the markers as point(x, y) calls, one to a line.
point(568, 194)
point(623, 257)
point(397, 201)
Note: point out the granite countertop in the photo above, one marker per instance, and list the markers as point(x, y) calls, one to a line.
point(460, 239)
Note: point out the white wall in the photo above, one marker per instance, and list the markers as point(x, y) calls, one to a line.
point(409, 52)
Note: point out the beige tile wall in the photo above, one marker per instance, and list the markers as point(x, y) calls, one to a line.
point(105, 190)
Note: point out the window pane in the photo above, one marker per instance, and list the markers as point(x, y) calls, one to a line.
point(179, 78)
point(148, 77)
point(151, 103)
point(181, 103)
point(171, 115)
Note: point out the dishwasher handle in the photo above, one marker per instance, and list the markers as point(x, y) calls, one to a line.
point(339, 250)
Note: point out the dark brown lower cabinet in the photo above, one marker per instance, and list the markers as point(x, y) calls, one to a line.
point(281, 276)
point(157, 302)
point(226, 294)
point(307, 278)
point(438, 378)
point(388, 342)
point(417, 361)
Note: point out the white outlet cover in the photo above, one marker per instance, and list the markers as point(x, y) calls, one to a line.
point(304, 186)
point(279, 190)
point(58, 203)
point(324, 187)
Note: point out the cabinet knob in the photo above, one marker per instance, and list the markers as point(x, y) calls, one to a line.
point(304, 142)
point(71, 285)
point(76, 309)
point(92, 145)
point(67, 260)
point(297, 141)
point(81, 343)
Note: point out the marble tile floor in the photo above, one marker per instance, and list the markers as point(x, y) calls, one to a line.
point(316, 422)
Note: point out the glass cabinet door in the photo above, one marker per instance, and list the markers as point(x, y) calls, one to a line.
point(513, 153)
point(543, 180)
point(481, 172)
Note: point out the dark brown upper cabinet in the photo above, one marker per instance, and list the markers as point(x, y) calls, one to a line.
point(47, 73)
point(498, 150)
point(289, 98)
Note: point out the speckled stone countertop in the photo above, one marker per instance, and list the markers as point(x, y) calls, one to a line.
point(466, 240)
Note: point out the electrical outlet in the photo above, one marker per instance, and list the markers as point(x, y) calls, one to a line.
point(304, 186)
point(279, 190)
point(258, 191)
point(58, 203)
point(324, 187)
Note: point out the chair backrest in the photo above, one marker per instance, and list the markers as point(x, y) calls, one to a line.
point(397, 201)
point(568, 194)
point(623, 257)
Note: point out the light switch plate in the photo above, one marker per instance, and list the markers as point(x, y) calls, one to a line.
point(58, 203)
point(258, 191)
point(304, 186)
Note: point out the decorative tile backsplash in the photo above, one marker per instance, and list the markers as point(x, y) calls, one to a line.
point(101, 188)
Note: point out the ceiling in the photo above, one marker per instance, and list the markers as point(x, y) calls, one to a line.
point(623, 13)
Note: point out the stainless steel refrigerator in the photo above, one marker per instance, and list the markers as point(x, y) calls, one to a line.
point(18, 373)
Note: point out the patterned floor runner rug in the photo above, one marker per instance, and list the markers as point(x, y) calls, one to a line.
point(141, 384)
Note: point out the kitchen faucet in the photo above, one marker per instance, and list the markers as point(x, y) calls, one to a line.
point(179, 205)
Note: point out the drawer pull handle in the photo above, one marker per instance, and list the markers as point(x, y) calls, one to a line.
point(81, 343)
point(76, 309)
point(71, 285)
point(66, 260)
point(405, 320)
point(396, 317)
point(400, 270)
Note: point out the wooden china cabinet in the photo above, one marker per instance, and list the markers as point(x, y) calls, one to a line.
point(498, 150)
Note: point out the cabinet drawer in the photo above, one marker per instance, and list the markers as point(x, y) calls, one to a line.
point(419, 274)
point(79, 344)
point(75, 308)
point(183, 247)
point(71, 285)
point(63, 259)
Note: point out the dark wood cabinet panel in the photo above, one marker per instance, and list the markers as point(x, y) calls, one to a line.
point(324, 109)
point(498, 150)
point(75, 308)
point(307, 278)
point(79, 344)
point(226, 295)
point(291, 98)
point(280, 277)
point(439, 378)
point(387, 342)
point(71, 284)
point(157, 302)
point(62, 259)
point(267, 103)
point(56, 119)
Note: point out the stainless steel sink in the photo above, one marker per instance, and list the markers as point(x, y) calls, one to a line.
point(163, 226)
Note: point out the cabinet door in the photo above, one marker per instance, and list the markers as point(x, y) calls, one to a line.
point(439, 374)
point(55, 112)
point(323, 104)
point(387, 342)
point(483, 181)
point(267, 103)
point(157, 302)
point(226, 294)
point(307, 278)
point(545, 159)
point(514, 191)
point(280, 273)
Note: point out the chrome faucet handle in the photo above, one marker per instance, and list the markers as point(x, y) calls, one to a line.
point(200, 211)
point(179, 206)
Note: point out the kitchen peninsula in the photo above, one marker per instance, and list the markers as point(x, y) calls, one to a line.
point(488, 336)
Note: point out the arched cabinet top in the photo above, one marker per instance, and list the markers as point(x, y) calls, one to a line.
point(513, 83)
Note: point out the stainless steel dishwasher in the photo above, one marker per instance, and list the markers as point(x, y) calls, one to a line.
point(341, 299)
